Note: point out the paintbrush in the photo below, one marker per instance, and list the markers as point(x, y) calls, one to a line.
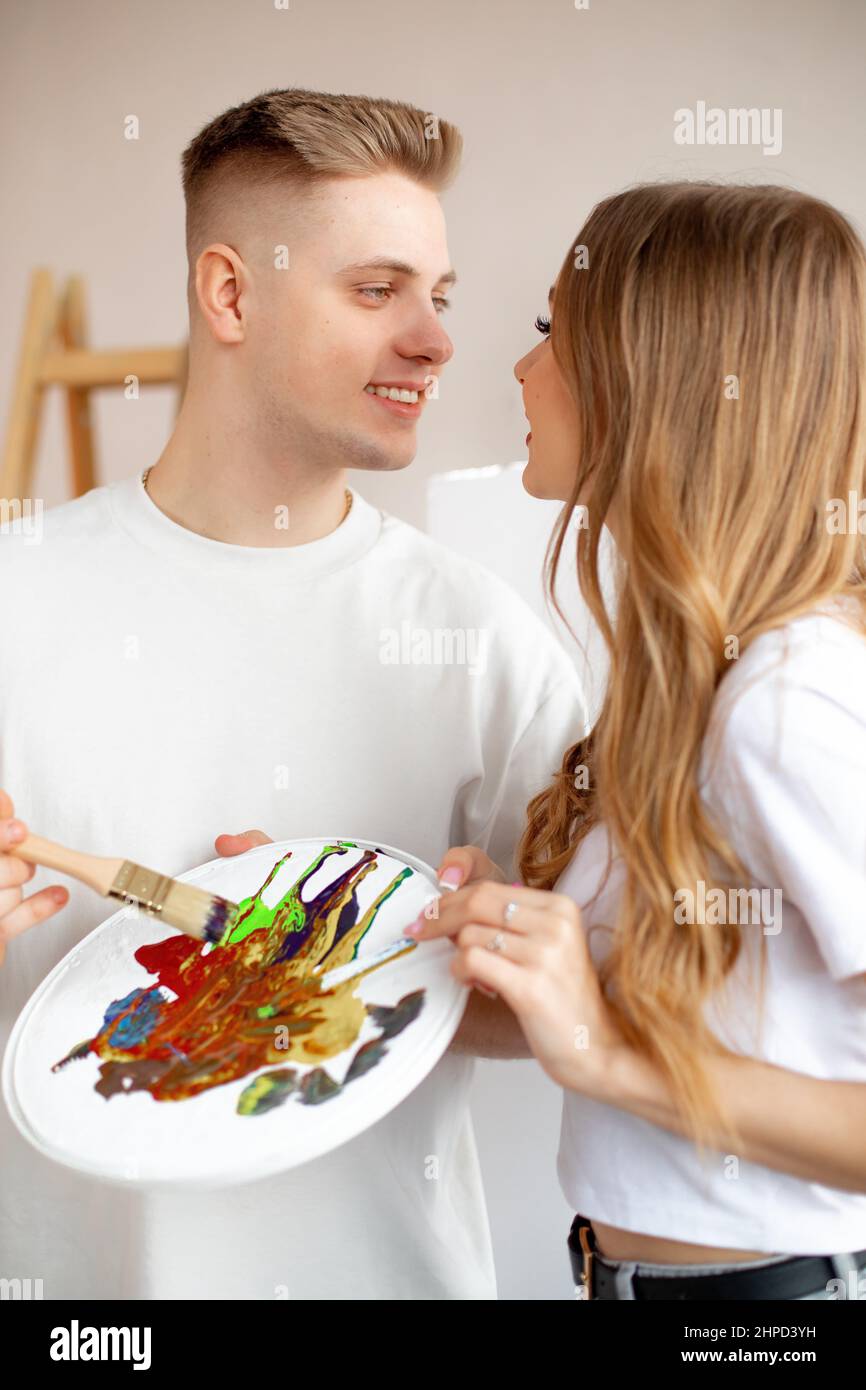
point(200, 914)
point(339, 973)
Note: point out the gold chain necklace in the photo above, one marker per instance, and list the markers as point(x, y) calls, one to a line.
point(349, 495)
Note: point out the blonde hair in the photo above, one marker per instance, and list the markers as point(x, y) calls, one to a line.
point(301, 137)
point(720, 515)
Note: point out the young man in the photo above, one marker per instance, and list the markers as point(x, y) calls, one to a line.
point(226, 646)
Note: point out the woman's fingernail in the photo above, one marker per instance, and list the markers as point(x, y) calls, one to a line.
point(416, 928)
point(17, 831)
point(452, 876)
point(491, 993)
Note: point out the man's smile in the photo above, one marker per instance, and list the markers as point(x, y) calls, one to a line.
point(401, 398)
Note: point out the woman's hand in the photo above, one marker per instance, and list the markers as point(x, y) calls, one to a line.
point(465, 864)
point(462, 865)
point(541, 967)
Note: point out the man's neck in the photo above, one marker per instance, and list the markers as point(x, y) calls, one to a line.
point(251, 501)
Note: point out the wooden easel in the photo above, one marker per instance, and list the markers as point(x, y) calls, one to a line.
point(54, 352)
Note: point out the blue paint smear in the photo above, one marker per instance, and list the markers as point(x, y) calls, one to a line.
point(140, 1012)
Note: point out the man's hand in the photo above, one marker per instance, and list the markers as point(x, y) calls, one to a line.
point(239, 844)
point(17, 913)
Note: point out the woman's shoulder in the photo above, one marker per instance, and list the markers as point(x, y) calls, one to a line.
point(813, 665)
point(784, 769)
point(792, 707)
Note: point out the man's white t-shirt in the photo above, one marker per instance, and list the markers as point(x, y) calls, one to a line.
point(783, 773)
point(159, 688)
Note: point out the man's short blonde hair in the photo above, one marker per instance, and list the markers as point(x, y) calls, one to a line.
point(291, 136)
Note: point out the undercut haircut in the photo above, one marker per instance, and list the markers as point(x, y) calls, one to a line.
point(300, 138)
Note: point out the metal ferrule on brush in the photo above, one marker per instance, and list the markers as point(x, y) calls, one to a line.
point(143, 888)
point(193, 910)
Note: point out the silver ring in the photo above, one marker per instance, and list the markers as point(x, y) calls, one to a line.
point(508, 914)
point(498, 942)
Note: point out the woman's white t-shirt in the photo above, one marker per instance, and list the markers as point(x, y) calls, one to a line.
point(784, 774)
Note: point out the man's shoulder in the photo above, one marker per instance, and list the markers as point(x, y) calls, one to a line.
point(459, 592)
point(38, 537)
point(54, 561)
point(456, 579)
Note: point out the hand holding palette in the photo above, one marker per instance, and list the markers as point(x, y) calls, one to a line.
point(212, 1063)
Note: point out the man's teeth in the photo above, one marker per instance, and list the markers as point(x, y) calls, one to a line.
point(393, 393)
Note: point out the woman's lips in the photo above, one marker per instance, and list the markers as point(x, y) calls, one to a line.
point(529, 436)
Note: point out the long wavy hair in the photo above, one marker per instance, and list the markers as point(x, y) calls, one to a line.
point(715, 347)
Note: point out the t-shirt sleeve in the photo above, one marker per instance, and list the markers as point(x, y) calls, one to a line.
point(558, 721)
point(788, 786)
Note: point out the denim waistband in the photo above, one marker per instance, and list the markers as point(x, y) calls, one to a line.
point(678, 1271)
point(647, 1267)
point(845, 1267)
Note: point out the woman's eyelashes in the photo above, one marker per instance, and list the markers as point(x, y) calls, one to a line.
point(381, 294)
point(542, 323)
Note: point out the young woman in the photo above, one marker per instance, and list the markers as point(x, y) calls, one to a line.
point(688, 958)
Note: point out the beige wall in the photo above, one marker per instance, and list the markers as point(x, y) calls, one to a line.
point(559, 106)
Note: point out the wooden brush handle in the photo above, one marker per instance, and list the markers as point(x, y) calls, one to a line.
point(93, 869)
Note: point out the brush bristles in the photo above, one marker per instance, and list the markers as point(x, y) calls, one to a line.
point(198, 913)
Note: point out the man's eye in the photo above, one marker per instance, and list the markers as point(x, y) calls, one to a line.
point(381, 293)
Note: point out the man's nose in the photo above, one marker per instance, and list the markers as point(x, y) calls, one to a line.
point(428, 340)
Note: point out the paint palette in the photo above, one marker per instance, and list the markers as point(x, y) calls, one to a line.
point(149, 1058)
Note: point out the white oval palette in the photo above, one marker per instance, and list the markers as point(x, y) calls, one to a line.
point(147, 1058)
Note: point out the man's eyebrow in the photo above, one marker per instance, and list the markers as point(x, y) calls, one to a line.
point(398, 267)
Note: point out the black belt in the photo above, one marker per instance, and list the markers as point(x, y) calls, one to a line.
point(788, 1279)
